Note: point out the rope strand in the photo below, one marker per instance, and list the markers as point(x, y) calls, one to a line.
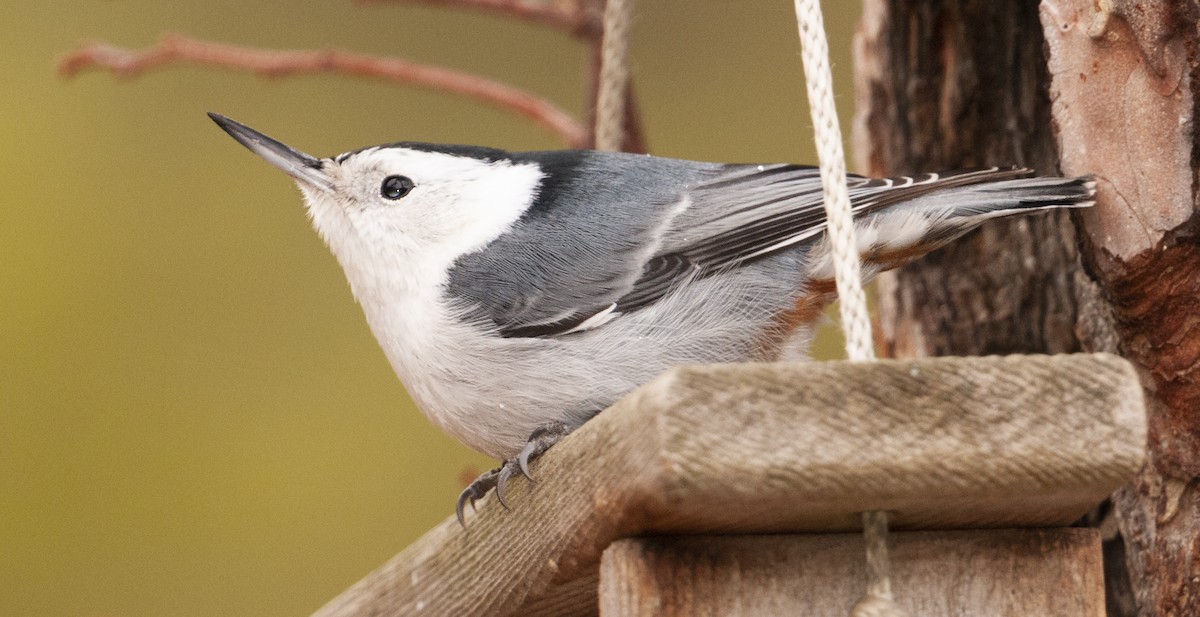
point(856, 321)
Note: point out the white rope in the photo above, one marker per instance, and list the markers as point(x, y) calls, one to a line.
point(856, 321)
point(875, 529)
point(614, 76)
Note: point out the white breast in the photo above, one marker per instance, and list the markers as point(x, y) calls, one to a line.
point(491, 392)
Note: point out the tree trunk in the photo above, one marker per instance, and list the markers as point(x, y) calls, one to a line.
point(960, 83)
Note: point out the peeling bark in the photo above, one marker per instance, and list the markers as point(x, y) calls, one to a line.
point(949, 83)
point(1123, 83)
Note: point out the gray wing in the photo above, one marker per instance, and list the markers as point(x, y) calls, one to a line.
point(612, 233)
point(598, 221)
point(752, 211)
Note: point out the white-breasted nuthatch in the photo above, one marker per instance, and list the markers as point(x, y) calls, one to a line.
point(517, 294)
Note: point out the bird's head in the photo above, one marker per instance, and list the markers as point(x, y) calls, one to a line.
point(403, 205)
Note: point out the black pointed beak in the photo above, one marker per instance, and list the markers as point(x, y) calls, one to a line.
point(303, 167)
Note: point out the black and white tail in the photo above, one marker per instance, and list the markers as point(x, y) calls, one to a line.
point(901, 219)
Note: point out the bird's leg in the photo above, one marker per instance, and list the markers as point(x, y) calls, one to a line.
point(474, 491)
point(539, 441)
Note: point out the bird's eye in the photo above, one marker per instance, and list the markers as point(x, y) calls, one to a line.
point(395, 187)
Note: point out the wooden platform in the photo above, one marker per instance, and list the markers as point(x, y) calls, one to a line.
point(950, 443)
point(999, 573)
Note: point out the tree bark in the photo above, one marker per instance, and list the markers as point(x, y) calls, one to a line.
point(953, 83)
point(939, 89)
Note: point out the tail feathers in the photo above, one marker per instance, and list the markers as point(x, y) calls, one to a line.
point(973, 192)
point(902, 219)
point(993, 199)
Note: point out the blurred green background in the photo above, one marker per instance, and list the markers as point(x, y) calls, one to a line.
point(194, 417)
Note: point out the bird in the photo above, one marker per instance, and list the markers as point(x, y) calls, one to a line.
point(518, 294)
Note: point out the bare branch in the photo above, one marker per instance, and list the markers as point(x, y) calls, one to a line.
point(578, 20)
point(178, 49)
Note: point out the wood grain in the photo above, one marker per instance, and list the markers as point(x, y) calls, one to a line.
point(952, 83)
point(756, 448)
point(1108, 62)
point(978, 573)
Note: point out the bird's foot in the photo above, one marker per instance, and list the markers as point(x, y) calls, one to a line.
point(539, 441)
point(476, 490)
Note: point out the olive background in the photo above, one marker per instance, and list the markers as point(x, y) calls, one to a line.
point(194, 417)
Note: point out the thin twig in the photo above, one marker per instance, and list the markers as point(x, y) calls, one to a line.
point(612, 100)
point(635, 137)
point(577, 20)
point(175, 49)
point(595, 49)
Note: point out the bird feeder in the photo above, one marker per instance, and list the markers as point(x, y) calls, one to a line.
point(735, 489)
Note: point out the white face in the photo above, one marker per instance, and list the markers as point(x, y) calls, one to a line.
point(396, 210)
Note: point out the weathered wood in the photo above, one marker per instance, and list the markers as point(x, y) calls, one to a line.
point(756, 448)
point(1125, 94)
point(947, 83)
point(1014, 573)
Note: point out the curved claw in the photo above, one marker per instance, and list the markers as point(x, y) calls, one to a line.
point(523, 460)
point(477, 489)
point(539, 441)
point(506, 472)
point(464, 498)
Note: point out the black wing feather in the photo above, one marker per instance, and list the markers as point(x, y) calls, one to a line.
point(737, 214)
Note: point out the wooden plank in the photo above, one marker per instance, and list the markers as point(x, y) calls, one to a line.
point(757, 448)
point(996, 573)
